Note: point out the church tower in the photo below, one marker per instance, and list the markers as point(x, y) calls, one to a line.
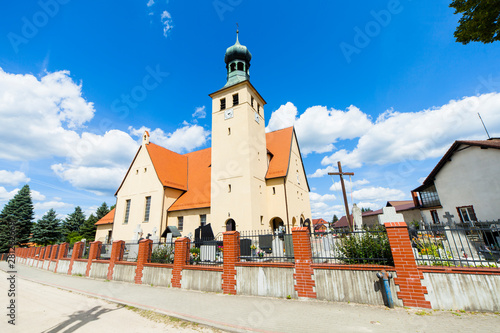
point(239, 155)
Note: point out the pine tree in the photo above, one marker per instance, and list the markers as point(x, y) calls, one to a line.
point(47, 230)
point(72, 223)
point(16, 219)
point(102, 211)
point(88, 229)
point(335, 218)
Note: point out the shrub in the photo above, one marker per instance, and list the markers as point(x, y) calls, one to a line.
point(163, 254)
point(369, 247)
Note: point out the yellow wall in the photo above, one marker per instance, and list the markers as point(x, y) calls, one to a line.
point(102, 232)
point(191, 220)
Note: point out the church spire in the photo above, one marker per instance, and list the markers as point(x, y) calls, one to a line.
point(237, 61)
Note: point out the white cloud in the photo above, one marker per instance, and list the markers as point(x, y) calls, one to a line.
point(323, 172)
point(200, 112)
point(378, 194)
point(321, 198)
point(336, 186)
point(39, 116)
point(12, 178)
point(318, 128)
point(150, 3)
point(371, 205)
point(166, 20)
point(98, 180)
point(6, 195)
point(184, 139)
point(52, 204)
point(37, 196)
point(398, 137)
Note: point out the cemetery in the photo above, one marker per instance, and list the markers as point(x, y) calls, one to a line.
point(453, 267)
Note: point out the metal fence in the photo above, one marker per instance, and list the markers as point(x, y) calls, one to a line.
point(207, 251)
point(162, 253)
point(130, 251)
point(356, 247)
point(85, 251)
point(266, 246)
point(105, 253)
point(458, 244)
point(70, 251)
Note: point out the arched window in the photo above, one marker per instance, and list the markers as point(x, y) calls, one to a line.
point(240, 66)
point(233, 67)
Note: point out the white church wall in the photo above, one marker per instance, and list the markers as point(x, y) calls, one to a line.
point(191, 220)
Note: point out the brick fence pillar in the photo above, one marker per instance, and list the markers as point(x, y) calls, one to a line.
point(143, 255)
point(63, 251)
point(48, 249)
point(94, 253)
point(231, 257)
point(53, 252)
point(408, 276)
point(77, 253)
point(41, 253)
point(116, 255)
point(304, 282)
point(181, 258)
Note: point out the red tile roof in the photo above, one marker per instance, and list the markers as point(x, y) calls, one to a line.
point(343, 222)
point(399, 205)
point(170, 167)
point(198, 194)
point(107, 219)
point(279, 144)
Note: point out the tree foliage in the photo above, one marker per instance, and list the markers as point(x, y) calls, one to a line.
point(480, 20)
point(88, 228)
point(47, 230)
point(102, 211)
point(16, 219)
point(335, 218)
point(72, 223)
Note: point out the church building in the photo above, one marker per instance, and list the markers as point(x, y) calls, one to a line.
point(247, 180)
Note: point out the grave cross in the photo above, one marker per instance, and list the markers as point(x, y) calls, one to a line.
point(448, 216)
point(341, 174)
point(137, 232)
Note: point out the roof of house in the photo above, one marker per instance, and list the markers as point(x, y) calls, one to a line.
point(318, 221)
point(107, 219)
point(343, 222)
point(198, 174)
point(399, 205)
point(484, 144)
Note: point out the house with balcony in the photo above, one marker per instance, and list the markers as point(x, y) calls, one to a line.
point(465, 183)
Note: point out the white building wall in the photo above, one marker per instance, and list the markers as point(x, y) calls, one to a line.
point(472, 177)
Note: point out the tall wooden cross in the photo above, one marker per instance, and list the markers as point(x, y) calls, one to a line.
point(341, 174)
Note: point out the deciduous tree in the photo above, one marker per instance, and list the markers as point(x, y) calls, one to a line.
point(480, 20)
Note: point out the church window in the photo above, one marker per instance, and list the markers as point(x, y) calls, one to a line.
point(137, 171)
point(229, 131)
point(180, 223)
point(435, 217)
point(233, 67)
point(229, 189)
point(203, 219)
point(127, 211)
point(251, 100)
point(240, 66)
point(147, 209)
point(222, 103)
point(236, 100)
point(145, 169)
point(274, 190)
point(258, 108)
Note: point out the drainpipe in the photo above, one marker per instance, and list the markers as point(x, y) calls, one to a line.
point(385, 277)
point(286, 206)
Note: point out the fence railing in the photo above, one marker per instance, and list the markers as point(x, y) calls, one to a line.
point(162, 253)
point(458, 244)
point(356, 247)
point(105, 251)
point(130, 251)
point(207, 251)
point(266, 246)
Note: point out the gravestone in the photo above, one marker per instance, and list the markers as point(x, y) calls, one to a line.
point(137, 233)
point(448, 217)
point(154, 236)
point(390, 215)
point(207, 252)
point(169, 238)
point(277, 246)
point(245, 247)
point(459, 245)
point(357, 216)
point(265, 243)
point(288, 245)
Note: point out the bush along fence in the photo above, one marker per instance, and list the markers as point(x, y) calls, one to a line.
point(331, 266)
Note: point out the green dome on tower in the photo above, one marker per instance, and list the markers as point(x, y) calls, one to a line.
point(237, 61)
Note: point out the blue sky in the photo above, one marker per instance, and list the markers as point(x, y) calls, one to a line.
point(380, 85)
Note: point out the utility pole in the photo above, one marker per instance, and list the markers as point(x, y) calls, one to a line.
point(341, 174)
